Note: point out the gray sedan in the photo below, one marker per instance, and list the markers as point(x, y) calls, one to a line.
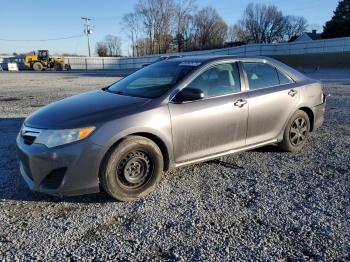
point(173, 113)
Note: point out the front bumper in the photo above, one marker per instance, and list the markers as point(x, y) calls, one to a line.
point(68, 170)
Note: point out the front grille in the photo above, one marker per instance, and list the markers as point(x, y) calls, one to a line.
point(54, 179)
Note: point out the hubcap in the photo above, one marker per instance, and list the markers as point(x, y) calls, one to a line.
point(135, 169)
point(298, 131)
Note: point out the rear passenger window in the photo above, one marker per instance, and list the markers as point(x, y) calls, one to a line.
point(260, 75)
point(284, 80)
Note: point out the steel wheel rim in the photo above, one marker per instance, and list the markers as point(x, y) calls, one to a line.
point(134, 170)
point(298, 131)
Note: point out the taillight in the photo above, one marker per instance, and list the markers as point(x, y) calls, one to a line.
point(323, 97)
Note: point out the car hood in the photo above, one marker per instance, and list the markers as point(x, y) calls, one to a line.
point(84, 110)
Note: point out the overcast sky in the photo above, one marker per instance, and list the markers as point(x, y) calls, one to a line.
point(43, 19)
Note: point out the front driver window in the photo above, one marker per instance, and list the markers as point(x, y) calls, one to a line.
point(218, 80)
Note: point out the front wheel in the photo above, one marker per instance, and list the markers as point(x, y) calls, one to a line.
point(296, 132)
point(37, 66)
point(132, 169)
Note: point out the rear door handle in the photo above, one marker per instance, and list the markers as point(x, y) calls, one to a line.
point(292, 92)
point(240, 103)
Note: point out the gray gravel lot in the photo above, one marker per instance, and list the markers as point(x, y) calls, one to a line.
point(259, 205)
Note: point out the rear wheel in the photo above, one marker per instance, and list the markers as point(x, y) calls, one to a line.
point(37, 66)
point(296, 132)
point(132, 169)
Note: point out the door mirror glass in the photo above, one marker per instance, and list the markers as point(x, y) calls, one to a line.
point(188, 94)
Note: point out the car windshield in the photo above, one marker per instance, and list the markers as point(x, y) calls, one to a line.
point(154, 80)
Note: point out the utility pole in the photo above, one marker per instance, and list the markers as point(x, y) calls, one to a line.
point(87, 30)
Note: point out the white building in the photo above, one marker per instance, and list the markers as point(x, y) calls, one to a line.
point(304, 37)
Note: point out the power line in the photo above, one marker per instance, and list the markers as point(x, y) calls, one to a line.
point(40, 40)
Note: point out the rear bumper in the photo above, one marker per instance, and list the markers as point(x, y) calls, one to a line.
point(65, 171)
point(319, 115)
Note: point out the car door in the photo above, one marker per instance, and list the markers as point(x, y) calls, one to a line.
point(214, 124)
point(272, 98)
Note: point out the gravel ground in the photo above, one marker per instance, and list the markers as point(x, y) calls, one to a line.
point(259, 205)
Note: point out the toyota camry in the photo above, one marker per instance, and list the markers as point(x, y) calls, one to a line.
point(121, 139)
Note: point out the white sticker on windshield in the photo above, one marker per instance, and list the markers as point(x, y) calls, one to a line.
point(190, 64)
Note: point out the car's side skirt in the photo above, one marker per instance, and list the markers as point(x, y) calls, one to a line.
point(207, 158)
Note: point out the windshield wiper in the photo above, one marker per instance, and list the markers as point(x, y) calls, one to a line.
point(114, 92)
point(119, 93)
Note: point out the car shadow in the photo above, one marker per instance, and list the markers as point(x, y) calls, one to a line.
point(268, 149)
point(12, 185)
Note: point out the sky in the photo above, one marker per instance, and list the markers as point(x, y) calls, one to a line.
point(43, 19)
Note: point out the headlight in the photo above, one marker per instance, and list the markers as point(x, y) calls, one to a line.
point(52, 138)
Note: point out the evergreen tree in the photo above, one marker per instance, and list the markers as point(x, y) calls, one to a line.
point(339, 25)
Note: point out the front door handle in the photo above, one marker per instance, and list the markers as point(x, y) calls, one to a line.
point(240, 103)
point(292, 92)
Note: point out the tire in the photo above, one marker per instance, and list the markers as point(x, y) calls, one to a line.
point(132, 169)
point(37, 66)
point(57, 66)
point(296, 132)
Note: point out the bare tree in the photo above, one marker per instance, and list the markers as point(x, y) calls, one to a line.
point(295, 26)
point(164, 24)
point(148, 13)
point(210, 29)
point(240, 33)
point(142, 46)
point(261, 24)
point(231, 34)
point(183, 18)
point(161, 26)
point(266, 24)
point(157, 17)
point(235, 37)
point(131, 26)
point(101, 49)
point(113, 44)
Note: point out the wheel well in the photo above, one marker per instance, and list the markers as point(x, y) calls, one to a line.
point(152, 137)
point(161, 146)
point(33, 62)
point(310, 114)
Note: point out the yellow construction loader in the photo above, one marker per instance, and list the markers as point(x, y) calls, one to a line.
point(41, 60)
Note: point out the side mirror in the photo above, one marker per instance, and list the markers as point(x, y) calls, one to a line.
point(188, 94)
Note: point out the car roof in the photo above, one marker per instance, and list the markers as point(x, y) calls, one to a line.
point(211, 58)
point(296, 75)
